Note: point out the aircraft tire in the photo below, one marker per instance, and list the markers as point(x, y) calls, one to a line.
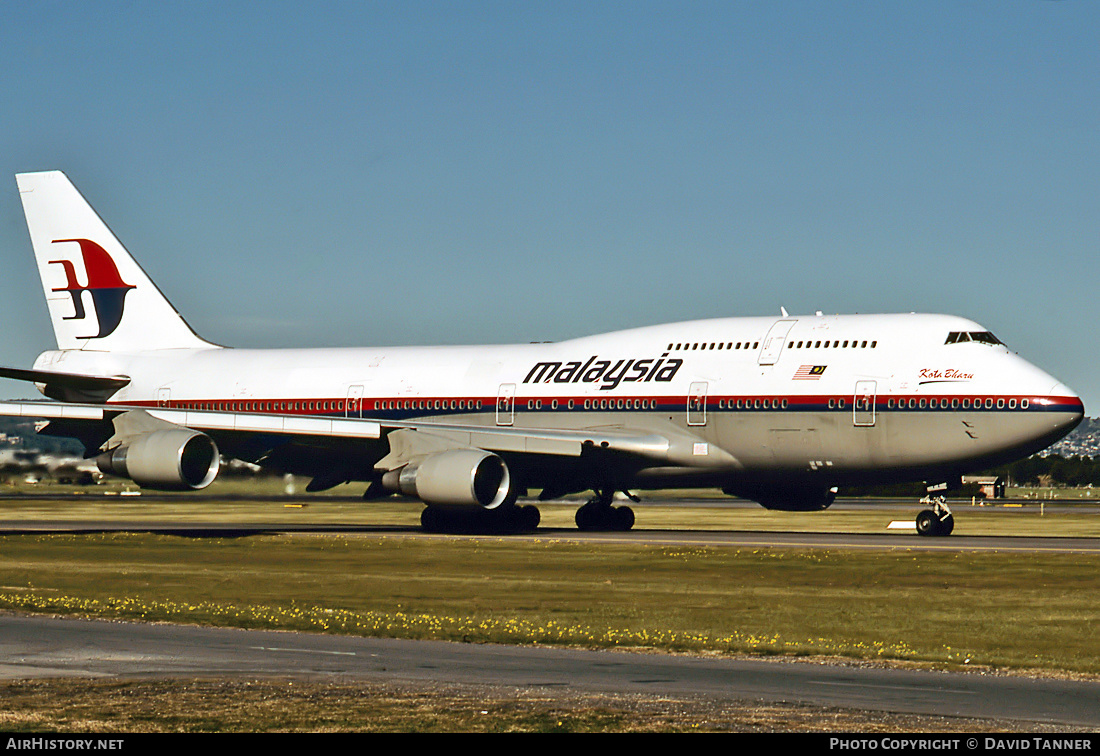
point(585, 518)
point(591, 517)
point(622, 518)
point(432, 520)
point(927, 523)
point(946, 525)
point(526, 517)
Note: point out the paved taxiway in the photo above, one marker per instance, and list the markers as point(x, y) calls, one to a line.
point(39, 647)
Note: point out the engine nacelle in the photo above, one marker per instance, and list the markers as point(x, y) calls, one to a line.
point(790, 499)
point(458, 478)
point(169, 460)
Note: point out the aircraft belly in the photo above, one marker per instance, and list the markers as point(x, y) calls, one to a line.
point(930, 441)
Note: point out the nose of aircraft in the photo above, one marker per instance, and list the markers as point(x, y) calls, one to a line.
point(1074, 408)
point(1061, 389)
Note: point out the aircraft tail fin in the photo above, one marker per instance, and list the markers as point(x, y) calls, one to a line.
point(99, 298)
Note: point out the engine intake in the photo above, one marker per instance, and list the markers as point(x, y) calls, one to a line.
point(459, 478)
point(168, 460)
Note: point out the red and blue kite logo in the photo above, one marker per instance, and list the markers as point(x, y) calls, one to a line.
point(106, 286)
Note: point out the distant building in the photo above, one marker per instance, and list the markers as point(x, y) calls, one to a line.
point(991, 487)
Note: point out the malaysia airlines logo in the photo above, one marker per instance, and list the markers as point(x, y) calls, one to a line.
point(105, 285)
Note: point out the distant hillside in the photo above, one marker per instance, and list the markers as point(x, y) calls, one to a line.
point(18, 433)
point(1083, 442)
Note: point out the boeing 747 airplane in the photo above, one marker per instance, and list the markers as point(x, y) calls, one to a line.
point(781, 410)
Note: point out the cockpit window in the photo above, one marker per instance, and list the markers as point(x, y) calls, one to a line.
point(984, 337)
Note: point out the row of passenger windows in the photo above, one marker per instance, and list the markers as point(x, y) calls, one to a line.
point(537, 404)
point(430, 404)
point(955, 403)
point(332, 405)
point(835, 344)
point(261, 406)
point(965, 403)
point(752, 404)
point(714, 345)
point(828, 344)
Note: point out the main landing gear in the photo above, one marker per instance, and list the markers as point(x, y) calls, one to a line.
point(598, 514)
point(937, 521)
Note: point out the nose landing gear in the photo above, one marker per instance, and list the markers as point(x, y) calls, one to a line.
point(937, 521)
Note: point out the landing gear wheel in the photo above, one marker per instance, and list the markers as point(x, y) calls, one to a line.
point(622, 518)
point(598, 514)
point(947, 525)
point(927, 523)
point(525, 518)
point(937, 521)
point(432, 520)
point(587, 517)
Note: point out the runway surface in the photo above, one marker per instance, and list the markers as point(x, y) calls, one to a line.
point(896, 539)
point(40, 647)
point(223, 529)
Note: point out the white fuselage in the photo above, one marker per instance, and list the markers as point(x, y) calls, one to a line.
point(818, 399)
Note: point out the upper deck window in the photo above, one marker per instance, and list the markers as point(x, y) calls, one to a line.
point(984, 337)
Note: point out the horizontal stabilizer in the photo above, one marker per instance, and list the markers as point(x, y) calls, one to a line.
point(69, 387)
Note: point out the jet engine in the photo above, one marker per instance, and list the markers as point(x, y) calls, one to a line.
point(169, 460)
point(458, 478)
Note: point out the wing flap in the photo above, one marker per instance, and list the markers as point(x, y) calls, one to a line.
point(278, 424)
point(51, 411)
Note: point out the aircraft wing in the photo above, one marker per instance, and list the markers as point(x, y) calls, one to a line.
point(90, 422)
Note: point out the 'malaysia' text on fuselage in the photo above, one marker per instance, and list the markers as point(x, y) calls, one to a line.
point(611, 375)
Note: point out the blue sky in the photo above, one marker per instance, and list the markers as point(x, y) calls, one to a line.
point(468, 172)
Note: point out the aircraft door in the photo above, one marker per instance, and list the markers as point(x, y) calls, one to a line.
point(697, 403)
point(774, 341)
point(506, 404)
point(863, 404)
point(354, 406)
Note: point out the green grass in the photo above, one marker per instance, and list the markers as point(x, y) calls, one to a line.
point(1032, 610)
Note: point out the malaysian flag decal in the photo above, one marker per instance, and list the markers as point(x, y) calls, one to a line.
point(809, 373)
